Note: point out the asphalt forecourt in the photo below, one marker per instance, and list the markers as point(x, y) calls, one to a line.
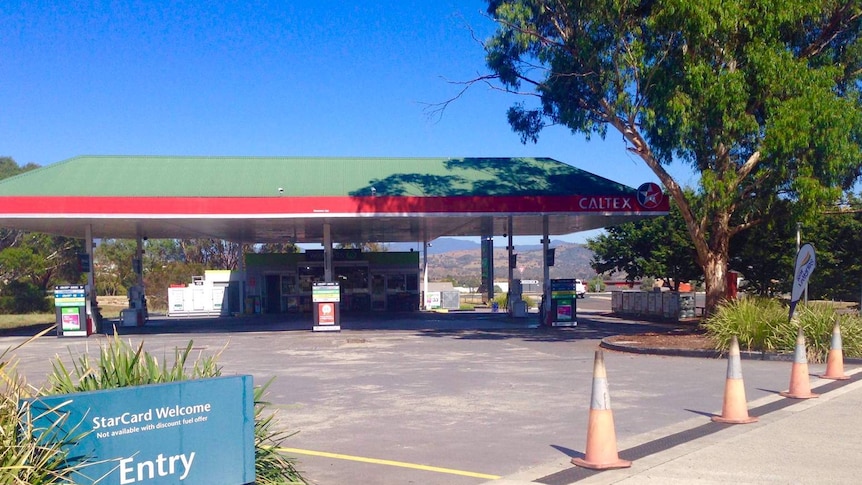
point(455, 403)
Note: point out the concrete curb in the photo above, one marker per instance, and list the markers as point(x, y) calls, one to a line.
point(703, 353)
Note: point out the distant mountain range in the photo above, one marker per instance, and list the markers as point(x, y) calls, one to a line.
point(460, 259)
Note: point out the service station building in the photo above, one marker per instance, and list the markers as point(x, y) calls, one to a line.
point(327, 201)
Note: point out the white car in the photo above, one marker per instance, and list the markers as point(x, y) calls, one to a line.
point(580, 289)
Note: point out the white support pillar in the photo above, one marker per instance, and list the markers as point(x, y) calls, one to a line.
point(546, 270)
point(139, 268)
point(240, 266)
point(90, 302)
point(425, 301)
point(510, 305)
point(327, 252)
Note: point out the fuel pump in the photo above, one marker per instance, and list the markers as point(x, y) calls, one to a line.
point(137, 313)
point(517, 306)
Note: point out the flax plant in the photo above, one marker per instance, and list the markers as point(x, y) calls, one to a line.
point(750, 319)
point(762, 325)
point(24, 457)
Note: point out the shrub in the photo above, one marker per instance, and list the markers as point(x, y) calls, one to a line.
point(818, 319)
point(19, 297)
point(503, 301)
point(750, 319)
point(597, 285)
point(762, 324)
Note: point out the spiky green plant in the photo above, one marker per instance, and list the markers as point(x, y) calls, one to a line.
point(762, 324)
point(24, 458)
point(818, 320)
point(272, 467)
point(750, 319)
point(120, 364)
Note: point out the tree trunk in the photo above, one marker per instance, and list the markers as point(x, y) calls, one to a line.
point(713, 245)
point(715, 277)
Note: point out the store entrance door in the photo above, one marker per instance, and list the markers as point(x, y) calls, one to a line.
point(378, 292)
point(273, 293)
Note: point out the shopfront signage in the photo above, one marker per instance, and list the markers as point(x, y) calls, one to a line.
point(648, 196)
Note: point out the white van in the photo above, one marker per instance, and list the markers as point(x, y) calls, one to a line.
point(580, 289)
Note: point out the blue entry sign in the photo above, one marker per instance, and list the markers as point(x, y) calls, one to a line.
point(191, 432)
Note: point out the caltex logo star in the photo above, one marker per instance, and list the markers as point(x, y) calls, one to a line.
point(649, 195)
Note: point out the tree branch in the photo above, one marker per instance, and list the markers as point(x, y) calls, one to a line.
point(838, 22)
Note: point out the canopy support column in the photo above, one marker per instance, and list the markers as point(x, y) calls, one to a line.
point(240, 267)
point(546, 272)
point(327, 252)
point(138, 267)
point(91, 302)
point(426, 302)
point(510, 303)
point(488, 267)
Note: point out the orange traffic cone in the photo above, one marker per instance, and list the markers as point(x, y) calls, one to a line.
point(735, 408)
point(800, 388)
point(835, 360)
point(601, 451)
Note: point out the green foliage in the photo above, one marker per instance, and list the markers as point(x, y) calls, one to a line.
point(120, 365)
point(751, 319)
point(272, 467)
point(212, 253)
point(19, 297)
point(159, 278)
point(41, 259)
point(17, 262)
point(762, 324)
point(765, 254)
point(502, 301)
point(596, 285)
point(657, 248)
point(647, 284)
point(23, 458)
point(837, 237)
point(760, 99)
point(113, 265)
point(9, 168)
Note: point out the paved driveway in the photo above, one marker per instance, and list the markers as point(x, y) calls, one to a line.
point(438, 399)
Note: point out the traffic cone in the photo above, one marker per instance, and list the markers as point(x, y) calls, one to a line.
point(601, 453)
point(800, 388)
point(835, 360)
point(735, 408)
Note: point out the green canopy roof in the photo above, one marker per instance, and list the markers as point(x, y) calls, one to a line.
point(137, 176)
point(269, 199)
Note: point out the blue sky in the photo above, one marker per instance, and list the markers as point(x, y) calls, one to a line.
point(268, 78)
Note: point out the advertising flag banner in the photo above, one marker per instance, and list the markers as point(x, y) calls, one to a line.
point(805, 263)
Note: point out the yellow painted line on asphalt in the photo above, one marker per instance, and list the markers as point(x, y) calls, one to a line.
point(401, 464)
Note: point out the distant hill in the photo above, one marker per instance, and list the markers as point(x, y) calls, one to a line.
point(438, 246)
point(464, 265)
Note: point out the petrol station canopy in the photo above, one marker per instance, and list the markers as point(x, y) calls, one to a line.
point(291, 199)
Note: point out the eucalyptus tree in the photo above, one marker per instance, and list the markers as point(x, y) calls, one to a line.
point(761, 98)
